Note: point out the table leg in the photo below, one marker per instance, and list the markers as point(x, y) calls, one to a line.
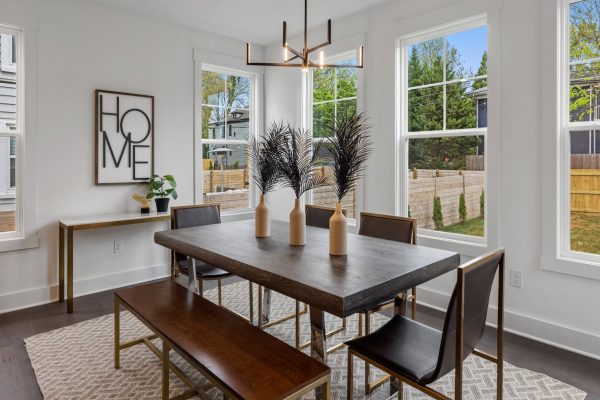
point(192, 283)
point(399, 309)
point(61, 264)
point(265, 307)
point(70, 270)
point(318, 341)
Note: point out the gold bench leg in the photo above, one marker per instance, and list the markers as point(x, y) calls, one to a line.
point(165, 370)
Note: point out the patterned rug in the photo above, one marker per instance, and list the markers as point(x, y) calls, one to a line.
point(76, 362)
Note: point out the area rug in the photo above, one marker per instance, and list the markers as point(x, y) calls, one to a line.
point(76, 362)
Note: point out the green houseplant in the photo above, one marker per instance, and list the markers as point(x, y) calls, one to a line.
point(349, 147)
point(160, 189)
point(265, 172)
point(296, 159)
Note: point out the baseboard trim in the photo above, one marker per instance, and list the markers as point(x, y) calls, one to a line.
point(48, 294)
point(553, 334)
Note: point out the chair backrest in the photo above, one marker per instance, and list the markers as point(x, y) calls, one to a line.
point(319, 216)
point(389, 227)
point(195, 215)
point(475, 280)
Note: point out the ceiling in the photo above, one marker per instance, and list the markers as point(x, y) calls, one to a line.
point(256, 21)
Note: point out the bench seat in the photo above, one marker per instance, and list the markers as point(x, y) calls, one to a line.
point(240, 359)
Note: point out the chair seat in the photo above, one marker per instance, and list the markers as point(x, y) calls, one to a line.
point(203, 270)
point(404, 346)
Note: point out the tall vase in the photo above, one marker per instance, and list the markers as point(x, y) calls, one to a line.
point(338, 232)
point(297, 225)
point(262, 222)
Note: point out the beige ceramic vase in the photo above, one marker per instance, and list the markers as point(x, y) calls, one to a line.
point(338, 232)
point(297, 225)
point(262, 222)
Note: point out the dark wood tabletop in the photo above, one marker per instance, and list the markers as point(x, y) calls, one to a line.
point(374, 269)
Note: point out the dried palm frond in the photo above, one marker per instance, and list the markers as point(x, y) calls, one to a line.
point(349, 147)
point(296, 159)
point(263, 158)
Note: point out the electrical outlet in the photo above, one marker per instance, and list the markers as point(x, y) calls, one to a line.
point(118, 247)
point(516, 278)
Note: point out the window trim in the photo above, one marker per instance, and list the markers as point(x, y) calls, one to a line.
point(556, 253)
point(470, 244)
point(26, 27)
point(307, 115)
point(205, 60)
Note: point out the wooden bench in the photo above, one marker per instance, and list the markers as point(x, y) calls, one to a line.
point(241, 360)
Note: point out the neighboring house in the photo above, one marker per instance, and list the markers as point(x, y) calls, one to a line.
point(480, 96)
point(582, 142)
point(236, 128)
point(8, 112)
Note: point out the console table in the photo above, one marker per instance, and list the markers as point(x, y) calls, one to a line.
point(68, 226)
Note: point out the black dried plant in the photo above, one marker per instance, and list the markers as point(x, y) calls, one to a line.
point(296, 159)
point(349, 147)
point(262, 153)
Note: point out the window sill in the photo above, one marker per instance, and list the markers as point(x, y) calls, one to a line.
point(464, 245)
point(571, 266)
point(19, 243)
point(239, 215)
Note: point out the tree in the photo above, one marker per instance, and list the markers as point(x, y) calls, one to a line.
point(584, 43)
point(462, 208)
point(481, 71)
point(425, 106)
point(220, 94)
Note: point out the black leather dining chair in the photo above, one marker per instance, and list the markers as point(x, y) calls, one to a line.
point(192, 216)
point(418, 355)
point(388, 227)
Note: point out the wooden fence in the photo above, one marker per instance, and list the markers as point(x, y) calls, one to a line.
point(232, 179)
point(585, 190)
point(585, 161)
point(475, 163)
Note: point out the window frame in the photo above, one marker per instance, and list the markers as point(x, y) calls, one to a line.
point(565, 128)
point(214, 62)
point(25, 27)
point(308, 123)
point(403, 135)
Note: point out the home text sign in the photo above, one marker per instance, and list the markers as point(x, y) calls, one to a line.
point(124, 137)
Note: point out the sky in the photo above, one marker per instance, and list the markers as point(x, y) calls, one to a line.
point(470, 45)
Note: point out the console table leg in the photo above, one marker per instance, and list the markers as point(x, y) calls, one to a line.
point(70, 270)
point(117, 334)
point(61, 264)
point(318, 342)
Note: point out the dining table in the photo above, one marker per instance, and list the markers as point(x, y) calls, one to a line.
point(373, 271)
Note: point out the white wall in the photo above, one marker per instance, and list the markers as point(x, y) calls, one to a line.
point(82, 47)
point(552, 307)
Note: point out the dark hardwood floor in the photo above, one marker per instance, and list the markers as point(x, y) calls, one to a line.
point(17, 380)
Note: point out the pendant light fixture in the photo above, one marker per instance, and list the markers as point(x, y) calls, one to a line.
point(304, 55)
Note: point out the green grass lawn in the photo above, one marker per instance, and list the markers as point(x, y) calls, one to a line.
point(585, 232)
point(473, 227)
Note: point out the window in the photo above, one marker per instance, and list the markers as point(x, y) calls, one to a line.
point(9, 133)
point(334, 93)
point(580, 129)
point(442, 123)
point(8, 52)
point(227, 118)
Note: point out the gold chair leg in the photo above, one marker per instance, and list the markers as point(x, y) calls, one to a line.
point(297, 324)
point(367, 366)
point(250, 302)
point(165, 370)
point(414, 303)
point(219, 292)
point(350, 377)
